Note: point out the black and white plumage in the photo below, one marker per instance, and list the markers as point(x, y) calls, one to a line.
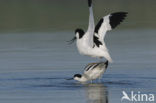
point(105, 24)
point(91, 42)
point(92, 71)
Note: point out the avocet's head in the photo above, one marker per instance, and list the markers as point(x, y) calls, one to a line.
point(78, 35)
point(77, 77)
point(80, 78)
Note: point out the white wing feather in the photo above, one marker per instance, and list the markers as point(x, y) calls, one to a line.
point(91, 25)
point(105, 26)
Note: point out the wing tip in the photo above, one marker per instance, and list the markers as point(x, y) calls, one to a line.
point(89, 3)
point(116, 18)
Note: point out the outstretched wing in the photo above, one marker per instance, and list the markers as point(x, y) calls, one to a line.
point(91, 25)
point(107, 23)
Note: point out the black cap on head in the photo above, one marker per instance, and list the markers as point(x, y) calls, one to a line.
point(77, 75)
point(80, 31)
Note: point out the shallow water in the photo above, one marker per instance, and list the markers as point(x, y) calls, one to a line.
point(35, 66)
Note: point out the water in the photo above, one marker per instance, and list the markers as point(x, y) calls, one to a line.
point(34, 67)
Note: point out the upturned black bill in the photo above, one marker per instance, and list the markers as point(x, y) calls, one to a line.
point(71, 41)
point(70, 79)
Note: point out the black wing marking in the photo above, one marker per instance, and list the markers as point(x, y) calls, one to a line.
point(95, 65)
point(88, 67)
point(114, 20)
point(117, 18)
point(98, 26)
point(89, 3)
point(97, 41)
point(92, 66)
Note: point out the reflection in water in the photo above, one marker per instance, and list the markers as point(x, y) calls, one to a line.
point(96, 93)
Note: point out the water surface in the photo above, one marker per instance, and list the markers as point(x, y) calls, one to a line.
point(35, 66)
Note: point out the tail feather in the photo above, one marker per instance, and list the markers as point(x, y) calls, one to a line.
point(108, 57)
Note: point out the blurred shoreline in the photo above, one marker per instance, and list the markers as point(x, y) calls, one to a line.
point(59, 15)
